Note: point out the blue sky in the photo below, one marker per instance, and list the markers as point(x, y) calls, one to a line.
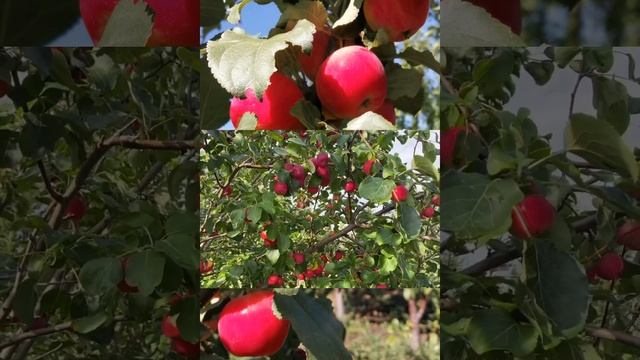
point(257, 20)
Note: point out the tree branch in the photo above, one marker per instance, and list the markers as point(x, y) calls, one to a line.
point(614, 335)
point(47, 183)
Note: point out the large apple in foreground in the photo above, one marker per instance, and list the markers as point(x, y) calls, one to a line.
point(274, 111)
point(399, 18)
point(176, 22)
point(351, 81)
point(248, 326)
point(507, 12)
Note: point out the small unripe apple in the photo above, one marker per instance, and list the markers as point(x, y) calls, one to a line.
point(339, 254)
point(281, 188)
point(610, 266)
point(175, 23)
point(248, 326)
point(4, 88)
point(508, 12)
point(168, 326)
point(351, 81)
point(629, 234)
point(185, 348)
point(428, 212)
point(227, 191)
point(400, 19)
point(275, 280)
point(368, 165)
point(310, 63)
point(298, 257)
point(350, 186)
point(76, 209)
point(435, 200)
point(533, 216)
point(387, 111)
point(274, 111)
point(399, 194)
point(448, 144)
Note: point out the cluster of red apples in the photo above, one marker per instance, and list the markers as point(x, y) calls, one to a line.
point(175, 22)
point(178, 344)
point(348, 81)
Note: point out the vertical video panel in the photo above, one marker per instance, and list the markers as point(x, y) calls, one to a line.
point(321, 324)
point(315, 209)
point(98, 203)
point(540, 201)
point(320, 65)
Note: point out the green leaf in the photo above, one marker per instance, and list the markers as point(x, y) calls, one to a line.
point(100, 275)
point(128, 25)
point(36, 22)
point(600, 144)
point(87, 324)
point(214, 102)
point(25, 300)
point(273, 255)
point(540, 71)
point(376, 189)
point(611, 99)
point(409, 219)
point(314, 323)
point(494, 329)
point(241, 62)
point(565, 299)
point(181, 249)
point(187, 320)
point(145, 271)
point(476, 207)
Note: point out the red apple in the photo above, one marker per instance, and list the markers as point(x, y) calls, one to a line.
point(298, 257)
point(629, 234)
point(368, 165)
point(338, 255)
point(351, 81)
point(400, 19)
point(382, 286)
point(324, 258)
point(313, 189)
point(448, 145)
point(508, 12)
point(533, 216)
point(281, 188)
point(269, 243)
point(435, 200)
point(175, 22)
point(76, 209)
point(311, 62)
point(274, 111)
point(350, 186)
point(227, 191)
point(4, 88)
point(610, 266)
point(248, 326)
point(168, 326)
point(275, 280)
point(321, 160)
point(185, 348)
point(387, 111)
point(399, 194)
point(309, 274)
point(206, 267)
point(123, 285)
point(428, 212)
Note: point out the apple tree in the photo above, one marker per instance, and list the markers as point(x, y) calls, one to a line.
point(356, 65)
point(319, 209)
point(541, 243)
point(98, 203)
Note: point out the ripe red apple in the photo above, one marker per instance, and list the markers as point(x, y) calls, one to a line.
point(448, 145)
point(368, 165)
point(508, 12)
point(281, 188)
point(4, 88)
point(269, 243)
point(324, 258)
point(533, 216)
point(629, 234)
point(321, 160)
point(248, 326)
point(428, 212)
point(168, 326)
point(399, 194)
point(227, 191)
point(275, 280)
point(319, 270)
point(298, 257)
point(274, 111)
point(309, 274)
point(76, 209)
point(400, 19)
point(338, 255)
point(435, 200)
point(610, 266)
point(313, 189)
point(175, 22)
point(311, 62)
point(350, 186)
point(298, 173)
point(185, 348)
point(382, 286)
point(300, 277)
point(351, 81)
point(206, 267)
point(387, 111)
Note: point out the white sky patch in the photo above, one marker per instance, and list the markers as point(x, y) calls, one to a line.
point(406, 151)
